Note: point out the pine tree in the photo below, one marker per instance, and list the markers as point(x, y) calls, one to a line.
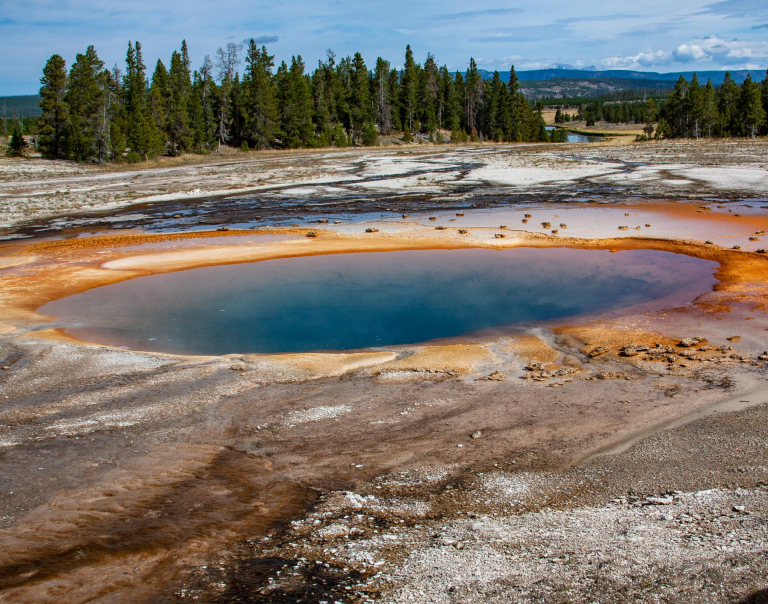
point(343, 96)
point(408, 84)
point(427, 95)
point(141, 134)
point(178, 131)
point(321, 111)
point(296, 106)
point(118, 118)
point(158, 97)
point(491, 113)
point(708, 112)
point(751, 107)
point(517, 103)
point(446, 109)
point(201, 118)
point(84, 98)
point(239, 121)
point(262, 124)
point(693, 107)
point(473, 96)
point(55, 115)
point(676, 108)
point(728, 106)
point(360, 101)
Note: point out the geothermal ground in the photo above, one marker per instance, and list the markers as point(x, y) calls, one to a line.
point(600, 459)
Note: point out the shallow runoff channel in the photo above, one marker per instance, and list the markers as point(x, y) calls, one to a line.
point(362, 300)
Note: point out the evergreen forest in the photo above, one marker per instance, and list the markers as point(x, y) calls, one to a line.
point(242, 99)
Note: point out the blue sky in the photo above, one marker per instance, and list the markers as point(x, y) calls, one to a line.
point(653, 35)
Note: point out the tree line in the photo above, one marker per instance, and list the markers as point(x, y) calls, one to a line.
point(694, 111)
point(691, 110)
point(95, 114)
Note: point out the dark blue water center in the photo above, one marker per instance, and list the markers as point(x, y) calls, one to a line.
point(350, 301)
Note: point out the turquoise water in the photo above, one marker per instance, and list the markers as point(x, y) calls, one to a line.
point(351, 301)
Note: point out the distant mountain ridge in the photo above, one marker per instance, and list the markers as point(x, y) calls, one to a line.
point(583, 74)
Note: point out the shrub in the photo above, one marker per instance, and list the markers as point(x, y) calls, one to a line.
point(17, 144)
point(370, 136)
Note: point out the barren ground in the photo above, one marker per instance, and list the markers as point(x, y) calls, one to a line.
point(542, 466)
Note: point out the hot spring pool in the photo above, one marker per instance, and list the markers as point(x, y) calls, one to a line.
point(360, 300)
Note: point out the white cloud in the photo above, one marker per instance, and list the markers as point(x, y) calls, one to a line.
point(724, 53)
point(640, 60)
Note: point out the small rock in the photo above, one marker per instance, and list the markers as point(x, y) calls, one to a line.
point(5, 368)
point(528, 215)
point(761, 251)
point(738, 508)
point(690, 342)
point(323, 221)
point(708, 242)
point(311, 234)
point(463, 231)
point(623, 228)
point(525, 221)
point(596, 352)
point(371, 230)
point(736, 247)
point(563, 225)
point(612, 375)
point(223, 229)
point(734, 338)
point(632, 351)
point(503, 226)
point(499, 235)
point(546, 225)
point(440, 228)
point(659, 501)
point(476, 434)
point(177, 216)
point(494, 377)
point(433, 218)
point(405, 215)
point(238, 368)
point(459, 214)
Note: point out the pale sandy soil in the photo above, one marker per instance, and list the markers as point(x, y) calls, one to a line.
point(443, 473)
